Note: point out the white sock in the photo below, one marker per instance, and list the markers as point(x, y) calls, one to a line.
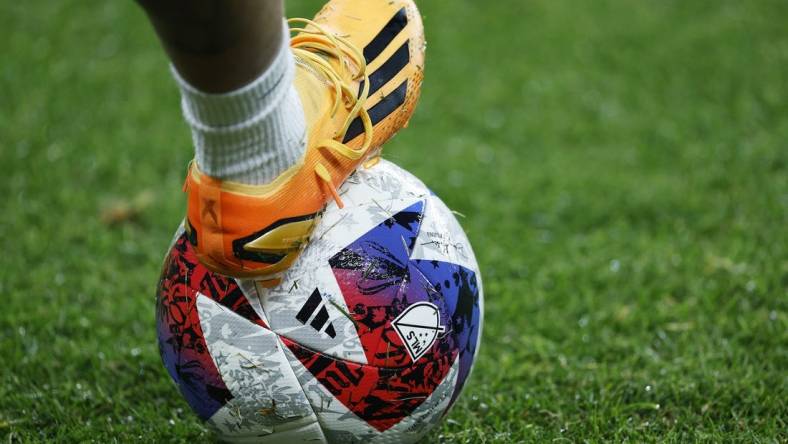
point(252, 134)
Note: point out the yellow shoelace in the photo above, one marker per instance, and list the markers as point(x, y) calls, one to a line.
point(314, 45)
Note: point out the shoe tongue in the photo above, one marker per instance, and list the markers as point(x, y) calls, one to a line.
point(315, 94)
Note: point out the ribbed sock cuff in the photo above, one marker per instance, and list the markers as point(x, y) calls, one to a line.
point(252, 134)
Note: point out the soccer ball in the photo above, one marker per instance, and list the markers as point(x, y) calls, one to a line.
point(369, 337)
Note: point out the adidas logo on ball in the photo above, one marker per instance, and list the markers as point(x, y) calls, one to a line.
point(320, 320)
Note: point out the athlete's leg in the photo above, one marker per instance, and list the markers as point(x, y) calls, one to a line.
point(218, 45)
point(234, 67)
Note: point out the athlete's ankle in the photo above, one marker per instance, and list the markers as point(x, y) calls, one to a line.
point(252, 134)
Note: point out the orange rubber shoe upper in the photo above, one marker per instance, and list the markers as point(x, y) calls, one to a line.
point(359, 67)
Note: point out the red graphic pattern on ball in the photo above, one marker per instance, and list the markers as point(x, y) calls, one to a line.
point(380, 396)
point(181, 342)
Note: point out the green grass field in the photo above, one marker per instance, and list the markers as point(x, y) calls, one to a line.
point(623, 169)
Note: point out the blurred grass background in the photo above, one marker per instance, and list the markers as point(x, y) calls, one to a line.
point(623, 166)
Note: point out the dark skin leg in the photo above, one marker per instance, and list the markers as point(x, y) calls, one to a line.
point(218, 45)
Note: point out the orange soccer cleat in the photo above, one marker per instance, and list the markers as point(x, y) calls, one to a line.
point(359, 67)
